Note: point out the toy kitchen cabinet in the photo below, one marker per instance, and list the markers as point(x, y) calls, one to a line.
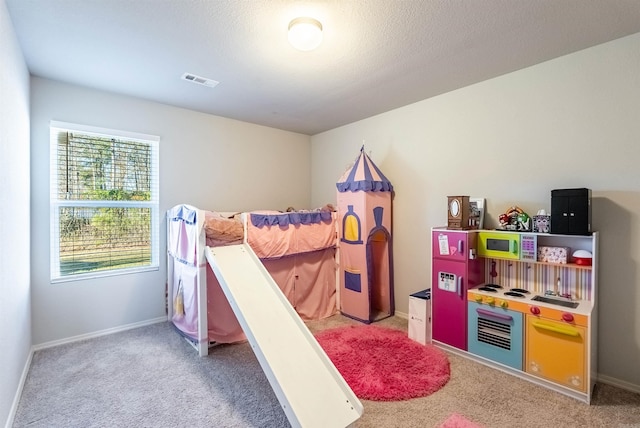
point(455, 269)
point(571, 211)
point(556, 348)
point(533, 317)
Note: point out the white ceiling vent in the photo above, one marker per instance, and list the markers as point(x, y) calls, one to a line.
point(199, 80)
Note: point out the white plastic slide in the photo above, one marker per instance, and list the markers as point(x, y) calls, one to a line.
point(310, 389)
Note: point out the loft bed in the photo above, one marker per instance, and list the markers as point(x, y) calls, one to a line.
point(237, 287)
point(297, 248)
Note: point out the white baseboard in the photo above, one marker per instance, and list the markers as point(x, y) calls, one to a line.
point(16, 398)
point(401, 315)
point(618, 383)
point(97, 333)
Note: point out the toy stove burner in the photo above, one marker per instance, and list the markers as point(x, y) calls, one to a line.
point(514, 294)
point(520, 290)
point(493, 288)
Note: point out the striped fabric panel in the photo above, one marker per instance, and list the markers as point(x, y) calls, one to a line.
point(538, 278)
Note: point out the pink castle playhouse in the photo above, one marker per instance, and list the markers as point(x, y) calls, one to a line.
point(364, 225)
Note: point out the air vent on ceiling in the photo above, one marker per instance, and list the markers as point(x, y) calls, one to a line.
point(199, 80)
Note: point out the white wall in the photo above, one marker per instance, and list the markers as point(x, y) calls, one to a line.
point(15, 308)
point(207, 161)
point(570, 122)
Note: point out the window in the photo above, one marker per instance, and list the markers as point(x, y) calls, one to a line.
point(104, 202)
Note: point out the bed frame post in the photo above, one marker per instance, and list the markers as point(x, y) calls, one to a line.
point(203, 327)
point(244, 217)
point(169, 286)
point(337, 260)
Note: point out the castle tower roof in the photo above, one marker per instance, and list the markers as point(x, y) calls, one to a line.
point(364, 175)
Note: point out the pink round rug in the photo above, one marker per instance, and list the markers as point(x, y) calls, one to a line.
point(383, 364)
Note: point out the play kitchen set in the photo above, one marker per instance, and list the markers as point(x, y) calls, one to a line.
point(521, 298)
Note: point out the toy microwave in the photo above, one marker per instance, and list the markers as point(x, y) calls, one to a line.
point(515, 246)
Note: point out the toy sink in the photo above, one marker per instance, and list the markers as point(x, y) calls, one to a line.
point(556, 301)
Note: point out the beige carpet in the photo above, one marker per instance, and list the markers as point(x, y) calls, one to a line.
point(491, 398)
point(150, 377)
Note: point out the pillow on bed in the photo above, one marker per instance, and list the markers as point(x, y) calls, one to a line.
point(222, 231)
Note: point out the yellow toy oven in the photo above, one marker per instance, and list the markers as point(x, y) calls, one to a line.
point(499, 245)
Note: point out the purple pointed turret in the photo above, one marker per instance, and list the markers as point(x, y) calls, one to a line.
point(364, 176)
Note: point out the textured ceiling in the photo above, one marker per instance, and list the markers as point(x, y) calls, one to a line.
point(376, 55)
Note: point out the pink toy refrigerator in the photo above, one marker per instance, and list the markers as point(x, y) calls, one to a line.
point(455, 268)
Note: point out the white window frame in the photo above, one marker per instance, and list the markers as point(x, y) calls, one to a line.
point(55, 203)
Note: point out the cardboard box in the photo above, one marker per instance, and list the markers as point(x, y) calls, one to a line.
point(420, 316)
point(559, 255)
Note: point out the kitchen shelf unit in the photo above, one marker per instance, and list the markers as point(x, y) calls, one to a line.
point(549, 332)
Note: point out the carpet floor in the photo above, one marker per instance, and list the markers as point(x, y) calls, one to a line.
point(151, 377)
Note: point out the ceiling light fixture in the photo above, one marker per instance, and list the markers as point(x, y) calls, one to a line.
point(305, 34)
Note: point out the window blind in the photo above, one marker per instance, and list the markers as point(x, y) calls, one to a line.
point(104, 202)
